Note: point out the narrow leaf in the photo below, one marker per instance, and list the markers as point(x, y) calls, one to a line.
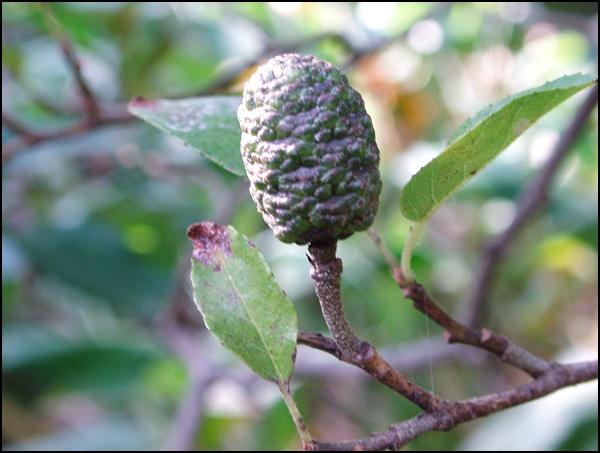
point(479, 140)
point(207, 124)
point(242, 304)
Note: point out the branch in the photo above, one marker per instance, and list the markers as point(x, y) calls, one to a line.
point(455, 332)
point(189, 414)
point(118, 115)
point(326, 272)
point(322, 343)
point(533, 198)
point(409, 356)
point(14, 125)
point(455, 413)
point(94, 115)
point(89, 103)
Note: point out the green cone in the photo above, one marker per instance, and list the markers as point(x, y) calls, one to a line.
point(309, 150)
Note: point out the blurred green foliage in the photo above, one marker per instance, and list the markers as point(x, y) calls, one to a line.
point(95, 296)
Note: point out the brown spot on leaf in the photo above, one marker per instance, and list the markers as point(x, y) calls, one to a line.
point(208, 240)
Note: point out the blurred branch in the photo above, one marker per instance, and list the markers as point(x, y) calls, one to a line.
point(14, 125)
point(533, 198)
point(186, 341)
point(89, 103)
point(451, 414)
point(271, 48)
point(189, 414)
point(93, 114)
point(26, 137)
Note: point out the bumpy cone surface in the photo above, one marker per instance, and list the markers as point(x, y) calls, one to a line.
point(309, 150)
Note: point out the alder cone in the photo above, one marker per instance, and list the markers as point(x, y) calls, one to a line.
point(309, 150)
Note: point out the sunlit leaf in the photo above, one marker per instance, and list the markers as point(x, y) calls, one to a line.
point(479, 140)
point(242, 304)
point(207, 124)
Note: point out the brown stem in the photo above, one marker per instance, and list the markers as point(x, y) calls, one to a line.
point(451, 414)
point(326, 273)
point(409, 356)
point(29, 138)
point(456, 332)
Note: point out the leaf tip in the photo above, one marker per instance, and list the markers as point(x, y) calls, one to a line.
point(209, 239)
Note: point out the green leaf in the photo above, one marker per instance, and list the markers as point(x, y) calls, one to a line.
point(93, 258)
point(242, 304)
point(41, 361)
point(479, 140)
point(207, 124)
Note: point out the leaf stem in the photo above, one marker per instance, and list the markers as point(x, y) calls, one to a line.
point(409, 245)
point(288, 398)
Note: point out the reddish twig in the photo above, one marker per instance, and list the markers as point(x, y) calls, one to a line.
point(320, 342)
point(533, 198)
point(90, 105)
point(456, 332)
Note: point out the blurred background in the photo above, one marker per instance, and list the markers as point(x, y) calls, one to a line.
point(102, 345)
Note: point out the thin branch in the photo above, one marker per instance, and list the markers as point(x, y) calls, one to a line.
point(89, 103)
point(455, 413)
point(409, 356)
point(322, 343)
point(533, 198)
point(14, 125)
point(455, 332)
point(94, 115)
point(29, 138)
